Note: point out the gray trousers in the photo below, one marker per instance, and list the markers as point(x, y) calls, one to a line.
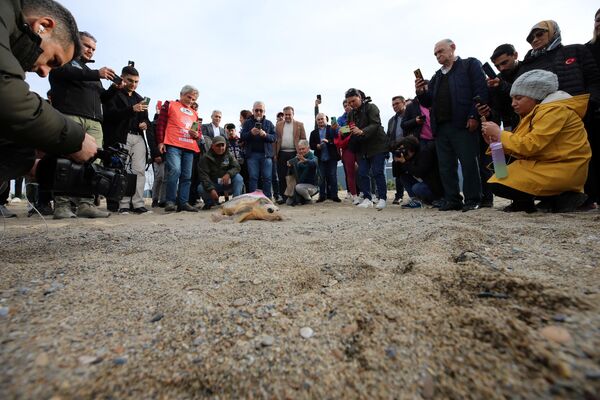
point(137, 149)
point(306, 190)
point(159, 188)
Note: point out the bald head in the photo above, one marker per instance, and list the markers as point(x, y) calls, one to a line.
point(444, 52)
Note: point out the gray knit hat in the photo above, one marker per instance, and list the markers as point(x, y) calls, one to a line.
point(536, 84)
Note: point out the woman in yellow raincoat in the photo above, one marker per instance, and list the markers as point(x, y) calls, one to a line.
point(549, 145)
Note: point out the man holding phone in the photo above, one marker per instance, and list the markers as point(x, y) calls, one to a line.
point(259, 135)
point(125, 121)
point(77, 92)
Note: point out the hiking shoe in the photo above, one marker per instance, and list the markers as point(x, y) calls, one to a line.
point(124, 211)
point(90, 211)
point(170, 207)
point(396, 200)
point(187, 207)
point(141, 210)
point(380, 205)
point(63, 212)
point(470, 207)
point(6, 213)
point(487, 204)
point(412, 204)
point(366, 203)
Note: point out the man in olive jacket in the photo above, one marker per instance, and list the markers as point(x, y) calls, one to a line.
point(36, 37)
point(218, 172)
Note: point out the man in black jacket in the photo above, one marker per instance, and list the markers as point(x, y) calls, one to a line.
point(35, 36)
point(125, 120)
point(321, 142)
point(77, 92)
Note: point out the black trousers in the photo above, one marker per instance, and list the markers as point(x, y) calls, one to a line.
point(282, 169)
point(15, 160)
point(507, 192)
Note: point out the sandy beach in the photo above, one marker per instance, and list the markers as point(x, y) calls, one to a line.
point(331, 302)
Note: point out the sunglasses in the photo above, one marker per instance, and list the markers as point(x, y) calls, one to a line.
point(259, 110)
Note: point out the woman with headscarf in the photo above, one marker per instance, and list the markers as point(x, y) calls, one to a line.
point(549, 144)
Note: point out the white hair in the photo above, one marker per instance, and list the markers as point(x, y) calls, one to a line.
point(302, 143)
point(188, 89)
point(256, 103)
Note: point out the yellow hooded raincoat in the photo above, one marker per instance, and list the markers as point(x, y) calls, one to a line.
point(550, 146)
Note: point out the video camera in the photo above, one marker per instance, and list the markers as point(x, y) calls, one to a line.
point(63, 176)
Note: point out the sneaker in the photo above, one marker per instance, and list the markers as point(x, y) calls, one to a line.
point(321, 199)
point(154, 203)
point(90, 211)
point(124, 211)
point(366, 203)
point(141, 210)
point(63, 212)
point(357, 200)
point(487, 204)
point(279, 200)
point(186, 207)
point(396, 200)
point(349, 196)
point(412, 204)
point(15, 200)
point(170, 207)
point(375, 199)
point(380, 205)
point(6, 213)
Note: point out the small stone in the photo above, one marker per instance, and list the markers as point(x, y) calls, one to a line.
point(24, 290)
point(256, 282)
point(306, 332)
point(593, 375)
point(88, 360)
point(331, 283)
point(239, 303)
point(42, 360)
point(556, 334)
point(337, 353)
point(427, 389)
point(4, 311)
point(267, 341)
point(119, 350)
point(120, 361)
point(559, 318)
point(198, 341)
point(391, 352)
point(157, 317)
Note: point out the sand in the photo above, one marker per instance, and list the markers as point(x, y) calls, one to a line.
point(400, 303)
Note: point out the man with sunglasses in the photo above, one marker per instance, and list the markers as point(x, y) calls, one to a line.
point(218, 172)
point(259, 135)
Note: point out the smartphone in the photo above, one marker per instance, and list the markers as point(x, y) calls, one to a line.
point(487, 68)
point(477, 100)
point(159, 104)
point(146, 100)
point(194, 126)
point(117, 80)
point(319, 97)
point(333, 120)
point(418, 73)
point(258, 125)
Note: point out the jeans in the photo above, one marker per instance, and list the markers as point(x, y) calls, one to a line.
point(416, 189)
point(328, 184)
point(375, 164)
point(159, 191)
point(179, 169)
point(260, 166)
point(235, 188)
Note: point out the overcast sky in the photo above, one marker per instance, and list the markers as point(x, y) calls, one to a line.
point(286, 52)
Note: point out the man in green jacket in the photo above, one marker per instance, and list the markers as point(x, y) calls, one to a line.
point(35, 36)
point(218, 172)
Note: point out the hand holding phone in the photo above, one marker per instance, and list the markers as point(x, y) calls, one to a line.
point(418, 73)
point(117, 80)
point(487, 68)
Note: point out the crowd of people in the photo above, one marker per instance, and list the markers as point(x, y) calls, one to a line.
point(542, 111)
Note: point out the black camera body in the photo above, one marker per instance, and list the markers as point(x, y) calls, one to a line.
point(63, 176)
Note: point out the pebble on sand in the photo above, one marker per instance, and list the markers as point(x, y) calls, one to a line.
point(307, 332)
point(556, 334)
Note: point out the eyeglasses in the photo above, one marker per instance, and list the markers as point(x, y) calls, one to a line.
point(539, 34)
point(259, 110)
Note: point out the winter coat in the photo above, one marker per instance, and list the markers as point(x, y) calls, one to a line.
point(551, 147)
point(211, 167)
point(26, 119)
point(374, 141)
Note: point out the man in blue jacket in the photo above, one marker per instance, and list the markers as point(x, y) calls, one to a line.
point(454, 120)
point(258, 133)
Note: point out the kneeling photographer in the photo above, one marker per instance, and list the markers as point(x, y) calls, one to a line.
point(418, 171)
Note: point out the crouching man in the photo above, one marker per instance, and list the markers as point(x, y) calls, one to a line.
point(218, 172)
point(302, 178)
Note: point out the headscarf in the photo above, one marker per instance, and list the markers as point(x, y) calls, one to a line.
point(553, 31)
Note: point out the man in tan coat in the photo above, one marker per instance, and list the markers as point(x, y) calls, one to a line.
point(289, 133)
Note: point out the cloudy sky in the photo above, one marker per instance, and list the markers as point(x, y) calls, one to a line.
point(286, 52)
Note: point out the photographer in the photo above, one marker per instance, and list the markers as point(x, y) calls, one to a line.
point(418, 170)
point(37, 37)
